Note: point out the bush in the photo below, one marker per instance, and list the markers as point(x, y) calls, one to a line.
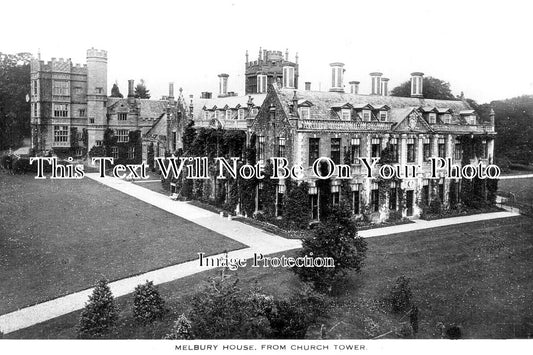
point(400, 296)
point(395, 216)
point(336, 238)
point(99, 315)
point(182, 329)
point(453, 332)
point(148, 305)
point(291, 318)
point(223, 311)
point(435, 207)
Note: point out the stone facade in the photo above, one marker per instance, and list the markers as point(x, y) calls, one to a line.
point(71, 109)
point(334, 124)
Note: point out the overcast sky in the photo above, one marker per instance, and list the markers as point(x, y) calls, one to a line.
point(483, 48)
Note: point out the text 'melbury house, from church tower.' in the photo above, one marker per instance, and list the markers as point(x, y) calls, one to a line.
point(71, 111)
point(303, 125)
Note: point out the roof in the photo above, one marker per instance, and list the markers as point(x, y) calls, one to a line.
point(232, 102)
point(147, 108)
point(323, 102)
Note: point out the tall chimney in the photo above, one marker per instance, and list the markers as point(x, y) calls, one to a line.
point(337, 73)
point(354, 87)
point(131, 90)
point(287, 54)
point(307, 85)
point(417, 80)
point(288, 77)
point(376, 83)
point(223, 85)
point(170, 90)
point(385, 86)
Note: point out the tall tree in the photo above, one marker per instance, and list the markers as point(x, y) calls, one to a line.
point(141, 91)
point(433, 88)
point(115, 91)
point(14, 90)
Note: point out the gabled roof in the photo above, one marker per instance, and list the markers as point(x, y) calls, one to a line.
point(304, 103)
point(444, 110)
point(229, 102)
point(324, 101)
point(429, 109)
point(341, 106)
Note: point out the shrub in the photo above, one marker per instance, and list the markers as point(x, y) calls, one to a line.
point(223, 311)
point(147, 303)
point(291, 318)
point(400, 295)
point(395, 216)
point(100, 314)
point(182, 329)
point(336, 238)
point(435, 207)
point(453, 332)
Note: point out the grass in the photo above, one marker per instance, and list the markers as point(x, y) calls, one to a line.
point(60, 236)
point(476, 275)
point(521, 188)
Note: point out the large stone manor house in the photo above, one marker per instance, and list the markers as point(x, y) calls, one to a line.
point(303, 125)
point(71, 113)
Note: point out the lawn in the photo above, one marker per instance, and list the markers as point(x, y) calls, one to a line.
point(60, 236)
point(521, 188)
point(476, 275)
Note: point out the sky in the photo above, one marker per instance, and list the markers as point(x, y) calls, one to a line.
point(482, 48)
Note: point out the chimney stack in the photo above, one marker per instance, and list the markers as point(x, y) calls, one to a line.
point(307, 85)
point(171, 90)
point(376, 83)
point(385, 86)
point(131, 90)
point(287, 54)
point(337, 73)
point(288, 77)
point(354, 87)
point(223, 85)
point(417, 80)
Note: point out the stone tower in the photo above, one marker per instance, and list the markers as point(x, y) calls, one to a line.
point(267, 69)
point(96, 94)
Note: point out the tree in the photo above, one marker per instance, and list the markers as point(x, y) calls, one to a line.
point(14, 108)
point(148, 305)
point(432, 88)
point(335, 238)
point(296, 210)
point(115, 91)
point(141, 91)
point(182, 329)
point(100, 314)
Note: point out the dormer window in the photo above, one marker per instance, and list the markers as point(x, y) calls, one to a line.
point(228, 114)
point(206, 115)
point(366, 115)
point(305, 113)
point(446, 118)
point(432, 118)
point(346, 114)
point(470, 119)
point(383, 116)
point(215, 113)
point(240, 114)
